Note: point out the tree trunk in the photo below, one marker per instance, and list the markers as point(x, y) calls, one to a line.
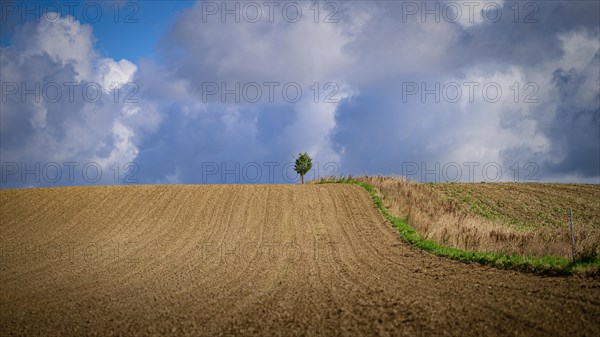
point(302, 178)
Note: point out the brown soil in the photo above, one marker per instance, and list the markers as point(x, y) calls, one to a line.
point(264, 260)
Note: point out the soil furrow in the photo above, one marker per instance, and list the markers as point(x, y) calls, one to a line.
point(253, 260)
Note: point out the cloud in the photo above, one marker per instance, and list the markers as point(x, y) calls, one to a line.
point(60, 107)
point(570, 119)
point(195, 131)
point(64, 41)
point(544, 58)
point(558, 133)
point(111, 73)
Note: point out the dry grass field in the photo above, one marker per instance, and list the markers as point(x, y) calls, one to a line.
point(514, 218)
point(260, 260)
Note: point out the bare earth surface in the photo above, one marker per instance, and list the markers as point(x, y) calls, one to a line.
point(264, 260)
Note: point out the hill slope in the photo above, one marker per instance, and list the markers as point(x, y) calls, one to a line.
point(252, 260)
point(513, 218)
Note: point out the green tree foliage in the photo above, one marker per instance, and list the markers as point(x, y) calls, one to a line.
point(303, 165)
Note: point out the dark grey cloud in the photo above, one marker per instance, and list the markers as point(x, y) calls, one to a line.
point(573, 128)
point(559, 133)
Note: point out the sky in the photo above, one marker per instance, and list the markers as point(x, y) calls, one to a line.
point(192, 92)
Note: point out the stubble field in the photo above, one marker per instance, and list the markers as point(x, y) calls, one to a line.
point(513, 218)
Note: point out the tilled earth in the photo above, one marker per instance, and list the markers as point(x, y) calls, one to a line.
point(263, 260)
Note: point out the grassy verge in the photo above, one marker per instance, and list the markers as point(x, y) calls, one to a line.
point(537, 265)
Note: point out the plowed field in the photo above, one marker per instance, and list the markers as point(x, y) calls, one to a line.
point(264, 260)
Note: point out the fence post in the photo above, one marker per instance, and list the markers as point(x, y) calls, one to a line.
point(572, 237)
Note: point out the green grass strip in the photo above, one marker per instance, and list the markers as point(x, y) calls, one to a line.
point(539, 265)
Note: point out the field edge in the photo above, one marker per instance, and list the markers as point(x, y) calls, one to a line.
point(547, 266)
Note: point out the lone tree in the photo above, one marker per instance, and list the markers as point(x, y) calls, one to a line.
point(303, 165)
